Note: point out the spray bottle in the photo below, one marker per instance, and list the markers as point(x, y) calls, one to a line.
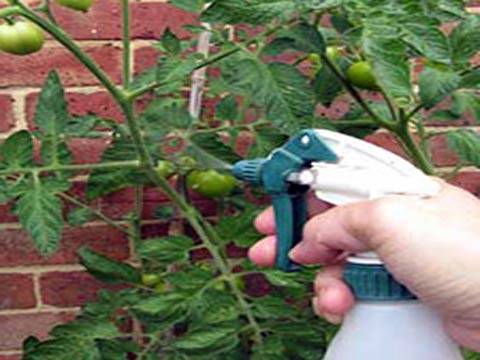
point(387, 322)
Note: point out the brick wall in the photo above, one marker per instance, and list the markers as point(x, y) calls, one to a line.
point(37, 292)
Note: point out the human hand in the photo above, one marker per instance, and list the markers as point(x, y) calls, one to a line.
point(432, 246)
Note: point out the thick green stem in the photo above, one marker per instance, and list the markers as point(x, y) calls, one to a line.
point(9, 11)
point(74, 167)
point(126, 43)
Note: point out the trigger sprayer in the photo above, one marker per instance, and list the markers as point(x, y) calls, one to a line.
point(387, 322)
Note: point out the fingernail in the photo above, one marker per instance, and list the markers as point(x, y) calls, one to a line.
point(316, 307)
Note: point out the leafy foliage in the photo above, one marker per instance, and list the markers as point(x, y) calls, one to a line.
point(268, 78)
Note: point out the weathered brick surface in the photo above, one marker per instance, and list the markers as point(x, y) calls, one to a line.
point(7, 119)
point(16, 248)
point(468, 180)
point(65, 289)
point(16, 291)
point(16, 328)
point(17, 71)
point(10, 357)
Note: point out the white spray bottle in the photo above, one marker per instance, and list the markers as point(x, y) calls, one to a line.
point(387, 322)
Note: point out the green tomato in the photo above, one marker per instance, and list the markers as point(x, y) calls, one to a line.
point(220, 286)
point(211, 183)
point(165, 168)
point(361, 75)
point(160, 287)
point(79, 5)
point(333, 53)
point(21, 38)
point(149, 279)
point(314, 59)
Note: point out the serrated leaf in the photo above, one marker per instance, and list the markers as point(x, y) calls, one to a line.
point(17, 149)
point(266, 139)
point(239, 228)
point(51, 113)
point(40, 213)
point(471, 80)
point(209, 339)
point(466, 101)
point(465, 40)
point(102, 182)
point(227, 108)
point(86, 330)
point(167, 249)
point(63, 349)
point(162, 304)
point(170, 43)
point(194, 6)
point(146, 77)
point(5, 192)
point(282, 279)
point(166, 114)
point(254, 12)
point(191, 279)
point(108, 270)
point(211, 144)
point(86, 126)
point(54, 151)
point(435, 84)
point(79, 216)
point(306, 38)
point(271, 307)
point(327, 86)
point(172, 73)
point(466, 144)
point(424, 34)
point(387, 54)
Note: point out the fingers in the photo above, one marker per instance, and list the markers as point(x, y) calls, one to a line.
point(263, 252)
point(333, 297)
point(330, 235)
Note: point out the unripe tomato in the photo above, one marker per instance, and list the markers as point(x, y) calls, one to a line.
point(333, 53)
point(361, 74)
point(21, 38)
point(220, 286)
point(165, 168)
point(150, 280)
point(79, 5)
point(161, 286)
point(314, 59)
point(211, 183)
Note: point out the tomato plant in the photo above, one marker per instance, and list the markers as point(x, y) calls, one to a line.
point(21, 38)
point(222, 305)
point(80, 5)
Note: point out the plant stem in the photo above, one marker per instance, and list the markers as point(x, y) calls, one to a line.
point(94, 212)
point(59, 35)
point(126, 43)
point(9, 11)
point(391, 108)
point(74, 167)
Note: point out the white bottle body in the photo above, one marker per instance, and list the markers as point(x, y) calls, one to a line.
point(393, 330)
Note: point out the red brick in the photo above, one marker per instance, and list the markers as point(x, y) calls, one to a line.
point(153, 230)
point(442, 155)
point(150, 20)
point(7, 120)
point(16, 328)
point(465, 120)
point(87, 151)
point(18, 70)
point(468, 180)
point(10, 357)
point(101, 22)
point(6, 214)
point(145, 57)
point(17, 249)
point(386, 141)
point(115, 206)
point(17, 291)
point(69, 288)
point(99, 103)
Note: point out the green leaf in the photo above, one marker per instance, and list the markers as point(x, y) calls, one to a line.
point(471, 80)
point(465, 40)
point(146, 77)
point(466, 101)
point(54, 151)
point(108, 270)
point(423, 34)
point(86, 126)
point(227, 109)
point(327, 86)
point(239, 228)
point(278, 88)
point(5, 192)
point(86, 330)
point(165, 304)
point(435, 84)
point(40, 213)
point(306, 38)
point(166, 250)
point(190, 279)
point(267, 138)
point(64, 349)
point(172, 73)
point(256, 12)
point(170, 42)
point(79, 216)
point(282, 279)
point(271, 307)
point(102, 182)
point(210, 145)
point(17, 149)
point(194, 6)
point(166, 114)
point(466, 144)
point(221, 338)
point(51, 113)
point(387, 54)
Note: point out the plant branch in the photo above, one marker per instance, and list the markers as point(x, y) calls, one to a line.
point(73, 167)
point(9, 11)
point(97, 213)
point(391, 108)
point(126, 43)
